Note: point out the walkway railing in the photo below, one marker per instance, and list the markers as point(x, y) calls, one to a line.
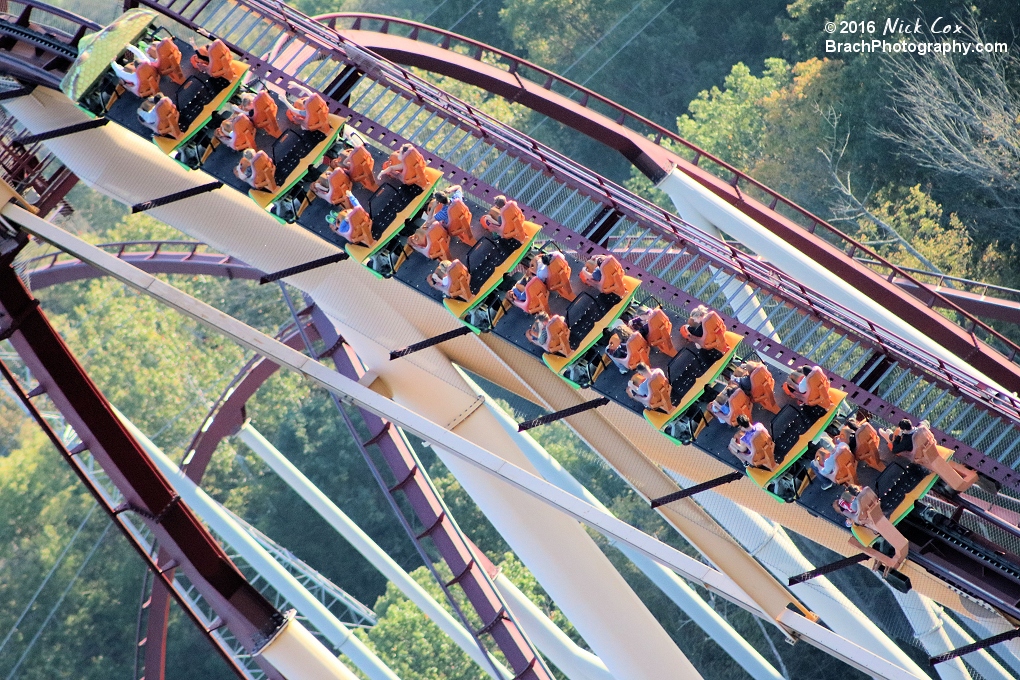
point(738, 181)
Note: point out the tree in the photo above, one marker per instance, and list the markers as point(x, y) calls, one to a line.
point(940, 238)
point(556, 32)
point(768, 126)
point(961, 119)
point(731, 122)
point(411, 644)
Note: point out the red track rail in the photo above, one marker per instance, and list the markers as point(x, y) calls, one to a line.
point(228, 414)
point(155, 257)
point(31, 166)
point(250, 617)
point(46, 49)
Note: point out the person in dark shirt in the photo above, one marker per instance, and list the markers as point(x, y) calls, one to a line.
point(900, 440)
point(694, 328)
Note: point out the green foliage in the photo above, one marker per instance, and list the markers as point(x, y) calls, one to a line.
point(770, 126)
point(91, 635)
point(411, 644)
point(730, 122)
point(574, 24)
point(941, 238)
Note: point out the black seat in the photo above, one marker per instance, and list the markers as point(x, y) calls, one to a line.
point(683, 371)
point(191, 98)
point(608, 300)
point(382, 207)
point(812, 414)
point(483, 258)
point(291, 148)
point(787, 427)
point(896, 481)
point(707, 357)
point(582, 315)
point(388, 200)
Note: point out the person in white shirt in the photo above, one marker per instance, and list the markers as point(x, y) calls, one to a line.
point(128, 74)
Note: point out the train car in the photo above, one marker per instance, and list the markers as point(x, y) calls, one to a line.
point(689, 373)
point(587, 318)
point(194, 95)
point(184, 99)
point(793, 432)
point(392, 209)
point(488, 263)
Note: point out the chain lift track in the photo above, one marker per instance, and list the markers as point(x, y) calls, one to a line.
point(881, 371)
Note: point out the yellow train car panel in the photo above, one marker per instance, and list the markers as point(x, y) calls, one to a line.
point(763, 477)
point(265, 198)
point(659, 420)
point(558, 363)
point(460, 308)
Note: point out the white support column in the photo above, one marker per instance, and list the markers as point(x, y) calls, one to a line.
point(576, 663)
point(705, 208)
point(297, 654)
point(672, 585)
point(1008, 651)
point(929, 632)
point(210, 512)
point(740, 292)
point(455, 447)
point(983, 662)
point(361, 542)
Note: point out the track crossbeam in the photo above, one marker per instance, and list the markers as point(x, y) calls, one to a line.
point(828, 568)
point(560, 415)
point(176, 196)
point(301, 268)
point(697, 488)
point(975, 646)
point(64, 131)
point(430, 342)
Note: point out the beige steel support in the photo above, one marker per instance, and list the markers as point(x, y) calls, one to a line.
point(984, 663)
point(928, 631)
point(386, 316)
point(297, 654)
point(634, 437)
point(646, 477)
point(797, 625)
point(382, 316)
